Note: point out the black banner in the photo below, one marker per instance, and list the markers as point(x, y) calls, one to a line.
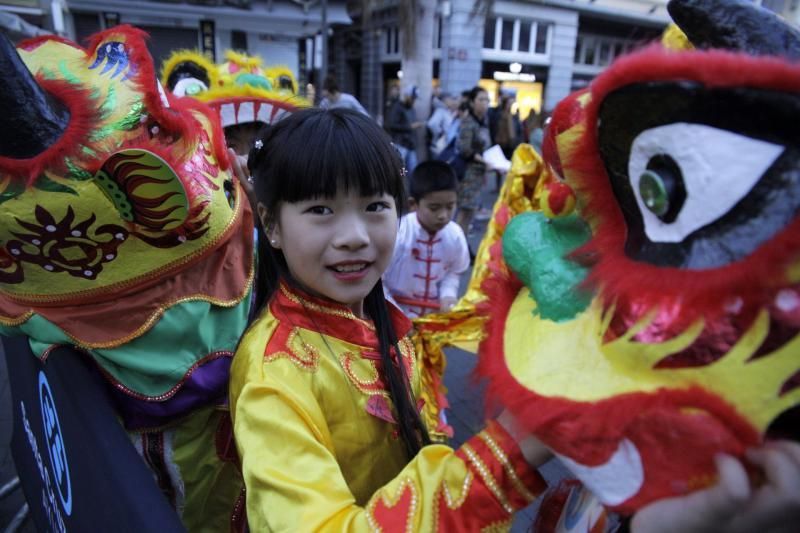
point(207, 39)
point(77, 466)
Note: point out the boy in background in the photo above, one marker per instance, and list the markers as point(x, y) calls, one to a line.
point(431, 252)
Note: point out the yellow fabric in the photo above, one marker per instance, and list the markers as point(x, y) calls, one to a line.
point(312, 457)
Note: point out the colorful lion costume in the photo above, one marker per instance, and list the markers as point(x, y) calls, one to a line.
point(240, 89)
point(659, 323)
point(124, 233)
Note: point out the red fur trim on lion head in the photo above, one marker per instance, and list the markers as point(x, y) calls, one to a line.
point(703, 292)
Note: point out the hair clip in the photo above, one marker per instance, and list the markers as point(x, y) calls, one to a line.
point(259, 144)
point(403, 171)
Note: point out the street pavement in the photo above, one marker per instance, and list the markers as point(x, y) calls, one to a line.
point(465, 394)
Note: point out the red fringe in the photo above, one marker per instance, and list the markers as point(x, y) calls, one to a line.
point(35, 42)
point(83, 115)
point(755, 277)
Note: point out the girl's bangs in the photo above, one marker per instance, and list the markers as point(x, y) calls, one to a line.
point(338, 150)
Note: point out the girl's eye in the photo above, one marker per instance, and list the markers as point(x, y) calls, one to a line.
point(319, 210)
point(376, 207)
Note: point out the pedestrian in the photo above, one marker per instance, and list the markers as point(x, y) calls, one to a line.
point(439, 123)
point(323, 383)
point(431, 251)
point(333, 98)
point(473, 140)
point(401, 124)
point(508, 132)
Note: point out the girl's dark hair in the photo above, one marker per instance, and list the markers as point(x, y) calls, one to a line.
point(311, 154)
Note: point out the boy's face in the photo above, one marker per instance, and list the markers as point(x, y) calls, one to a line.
point(435, 209)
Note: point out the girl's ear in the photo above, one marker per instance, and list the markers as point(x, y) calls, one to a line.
point(412, 204)
point(271, 228)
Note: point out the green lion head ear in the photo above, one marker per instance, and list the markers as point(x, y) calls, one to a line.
point(145, 190)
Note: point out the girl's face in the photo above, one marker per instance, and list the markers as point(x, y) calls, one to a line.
point(338, 247)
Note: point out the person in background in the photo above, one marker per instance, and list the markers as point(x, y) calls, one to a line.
point(431, 252)
point(401, 125)
point(440, 121)
point(333, 98)
point(508, 132)
point(473, 140)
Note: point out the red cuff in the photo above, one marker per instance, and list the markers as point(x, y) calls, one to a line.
point(496, 460)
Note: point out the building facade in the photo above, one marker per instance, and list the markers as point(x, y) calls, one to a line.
point(286, 32)
point(539, 49)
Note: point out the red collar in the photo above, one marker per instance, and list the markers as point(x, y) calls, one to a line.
point(295, 307)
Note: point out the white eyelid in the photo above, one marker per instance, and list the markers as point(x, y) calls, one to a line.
point(719, 168)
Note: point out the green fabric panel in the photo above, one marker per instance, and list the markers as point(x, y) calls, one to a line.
point(154, 362)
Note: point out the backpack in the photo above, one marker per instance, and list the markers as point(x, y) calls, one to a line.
point(451, 156)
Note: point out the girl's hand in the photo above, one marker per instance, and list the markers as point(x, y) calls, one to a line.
point(239, 164)
point(536, 454)
point(733, 505)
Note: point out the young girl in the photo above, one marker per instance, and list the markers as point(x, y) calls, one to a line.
point(323, 384)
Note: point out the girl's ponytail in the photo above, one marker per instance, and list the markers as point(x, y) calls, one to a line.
point(412, 429)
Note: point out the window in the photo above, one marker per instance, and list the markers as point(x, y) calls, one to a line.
point(598, 50)
point(392, 41)
point(488, 32)
point(524, 36)
point(239, 41)
point(507, 35)
point(516, 35)
point(541, 38)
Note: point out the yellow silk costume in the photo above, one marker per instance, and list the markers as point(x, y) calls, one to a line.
point(318, 446)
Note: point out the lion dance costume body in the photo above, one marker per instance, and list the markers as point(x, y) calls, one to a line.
point(659, 323)
point(124, 233)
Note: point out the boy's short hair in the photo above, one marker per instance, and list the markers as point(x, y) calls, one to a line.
point(432, 176)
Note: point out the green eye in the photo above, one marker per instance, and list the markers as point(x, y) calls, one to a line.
point(654, 193)
point(194, 89)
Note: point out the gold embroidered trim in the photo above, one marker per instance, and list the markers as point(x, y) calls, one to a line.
point(449, 501)
point(390, 502)
point(160, 397)
point(305, 358)
point(16, 321)
point(486, 475)
point(465, 486)
point(341, 313)
point(507, 467)
point(369, 386)
point(154, 317)
point(502, 526)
